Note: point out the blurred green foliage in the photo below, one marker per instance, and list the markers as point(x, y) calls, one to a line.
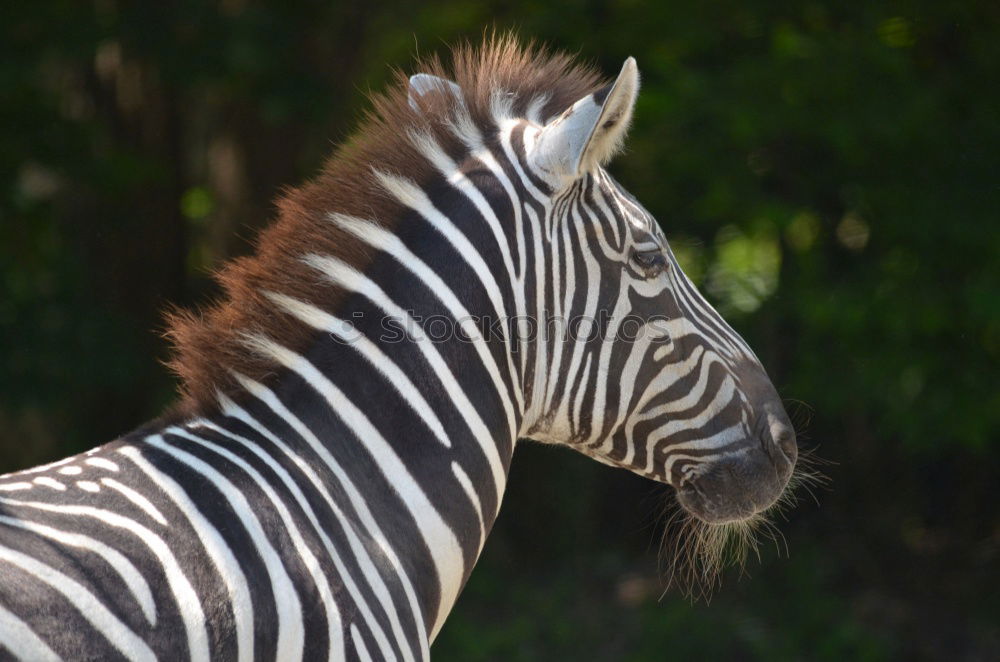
point(827, 172)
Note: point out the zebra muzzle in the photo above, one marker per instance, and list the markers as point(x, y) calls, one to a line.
point(739, 486)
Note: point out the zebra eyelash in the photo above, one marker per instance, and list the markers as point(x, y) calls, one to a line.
point(649, 260)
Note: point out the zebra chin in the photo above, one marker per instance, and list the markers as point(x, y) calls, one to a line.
point(740, 487)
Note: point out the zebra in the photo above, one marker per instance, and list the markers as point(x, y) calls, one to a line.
point(463, 274)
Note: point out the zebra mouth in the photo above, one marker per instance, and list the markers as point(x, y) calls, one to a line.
point(715, 509)
point(735, 489)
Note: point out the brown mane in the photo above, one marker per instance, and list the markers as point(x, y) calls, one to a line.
point(208, 344)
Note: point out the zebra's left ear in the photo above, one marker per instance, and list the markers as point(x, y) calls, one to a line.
point(422, 84)
point(589, 132)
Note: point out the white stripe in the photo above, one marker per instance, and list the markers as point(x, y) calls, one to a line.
point(52, 483)
point(383, 240)
point(446, 552)
point(349, 278)
point(359, 644)
point(598, 219)
point(569, 291)
point(215, 547)
point(593, 271)
point(674, 372)
point(693, 396)
point(485, 156)
point(415, 198)
point(457, 178)
point(322, 583)
point(142, 502)
point(230, 408)
point(638, 355)
point(729, 435)
point(535, 108)
point(581, 391)
point(412, 196)
point(291, 633)
point(361, 553)
point(668, 375)
point(715, 330)
point(721, 399)
point(622, 308)
point(102, 463)
point(557, 250)
point(432, 150)
point(504, 138)
point(398, 379)
point(121, 565)
point(470, 491)
point(710, 316)
point(119, 635)
point(540, 371)
point(186, 599)
point(21, 640)
point(601, 185)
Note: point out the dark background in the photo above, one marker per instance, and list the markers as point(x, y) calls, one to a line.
point(828, 174)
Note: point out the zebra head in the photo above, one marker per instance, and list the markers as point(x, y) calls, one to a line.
point(651, 378)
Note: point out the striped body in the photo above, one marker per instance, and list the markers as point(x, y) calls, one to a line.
point(334, 508)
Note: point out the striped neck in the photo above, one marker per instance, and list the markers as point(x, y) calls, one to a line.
point(407, 406)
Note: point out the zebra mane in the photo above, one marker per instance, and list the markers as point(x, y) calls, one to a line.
point(499, 76)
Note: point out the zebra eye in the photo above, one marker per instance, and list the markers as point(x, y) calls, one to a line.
point(651, 262)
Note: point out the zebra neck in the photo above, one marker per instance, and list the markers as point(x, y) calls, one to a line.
point(405, 415)
point(398, 441)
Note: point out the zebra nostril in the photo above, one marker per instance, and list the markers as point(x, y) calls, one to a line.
point(784, 437)
point(691, 498)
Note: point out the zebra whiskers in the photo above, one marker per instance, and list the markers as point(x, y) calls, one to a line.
point(694, 555)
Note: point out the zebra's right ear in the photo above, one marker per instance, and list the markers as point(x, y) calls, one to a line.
point(422, 84)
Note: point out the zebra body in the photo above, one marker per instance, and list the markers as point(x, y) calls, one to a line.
point(221, 540)
point(331, 500)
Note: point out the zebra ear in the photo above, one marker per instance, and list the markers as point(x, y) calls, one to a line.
point(589, 132)
point(421, 84)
